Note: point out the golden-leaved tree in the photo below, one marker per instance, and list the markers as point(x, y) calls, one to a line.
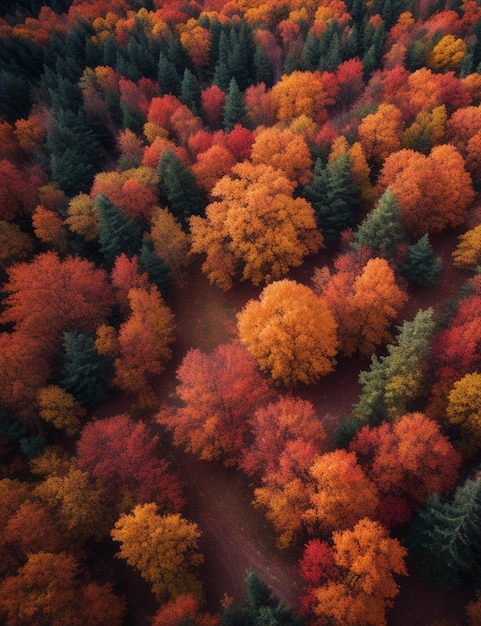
point(254, 229)
point(291, 333)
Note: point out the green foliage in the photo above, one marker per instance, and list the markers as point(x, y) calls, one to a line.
point(443, 539)
point(167, 75)
point(394, 382)
point(32, 446)
point(178, 189)
point(155, 267)
point(85, 372)
point(334, 197)
point(234, 110)
point(117, 231)
point(381, 230)
point(421, 266)
point(260, 607)
point(190, 92)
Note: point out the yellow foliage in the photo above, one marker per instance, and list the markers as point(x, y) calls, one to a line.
point(447, 54)
point(163, 548)
point(464, 409)
point(467, 254)
point(290, 332)
point(60, 408)
point(299, 93)
point(171, 244)
point(83, 217)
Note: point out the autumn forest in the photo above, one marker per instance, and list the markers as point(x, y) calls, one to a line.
point(309, 173)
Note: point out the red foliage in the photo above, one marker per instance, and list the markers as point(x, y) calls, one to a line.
point(239, 141)
point(123, 454)
point(213, 100)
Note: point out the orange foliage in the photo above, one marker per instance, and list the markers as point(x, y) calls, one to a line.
point(48, 227)
point(380, 132)
point(212, 165)
point(299, 93)
point(433, 191)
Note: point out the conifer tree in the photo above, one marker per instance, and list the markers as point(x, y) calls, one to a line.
point(381, 229)
point(443, 538)
point(190, 92)
point(421, 266)
point(117, 231)
point(155, 267)
point(234, 109)
point(85, 372)
point(167, 76)
point(393, 383)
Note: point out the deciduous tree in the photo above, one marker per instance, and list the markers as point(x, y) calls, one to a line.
point(163, 548)
point(467, 254)
point(291, 333)
point(59, 408)
point(123, 455)
point(380, 132)
point(407, 460)
point(464, 409)
point(255, 228)
point(219, 394)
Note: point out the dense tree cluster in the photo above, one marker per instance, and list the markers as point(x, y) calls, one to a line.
point(314, 150)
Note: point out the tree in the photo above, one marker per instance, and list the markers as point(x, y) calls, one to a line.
point(117, 232)
point(290, 332)
point(78, 505)
point(395, 381)
point(284, 150)
point(381, 229)
point(234, 110)
point(170, 242)
point(123, 455)
point(255, 228)
point(353, 582)
point(178, 187)
point(154, 266)
point(183, 609)
point(144, 341)
point(48, 227)
point(83, 217)
point(190, 91)
point(299, 93)
point(15, 245)
point(163, 548)
point(421, 266)
point(212, 165)
point(49, 591)
point(430, 195)
point(380, 132)
point(467, 254)
point(126, 275)
point(407, 461)
point(259, 608)
point(443, 538)
point(273, 426)
point(342, 493)
point(212, 102)
point(447, 54)
point(85, 372)
point(463, 409)
point(219, 393)
point(49, 296)
point(60, 408)
point(364, 304)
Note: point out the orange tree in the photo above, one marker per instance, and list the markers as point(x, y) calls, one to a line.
point(291, 333)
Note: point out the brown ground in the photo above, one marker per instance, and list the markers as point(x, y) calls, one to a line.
point(236, 536)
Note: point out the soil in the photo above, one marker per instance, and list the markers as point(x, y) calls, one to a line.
point(236, 536)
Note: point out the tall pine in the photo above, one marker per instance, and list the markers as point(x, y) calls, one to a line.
point(381, 230)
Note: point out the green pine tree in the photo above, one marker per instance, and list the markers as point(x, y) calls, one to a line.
point(395, 381)
point(234, 110)
point(443, 540)
point(421, 266)
point(178, 188)
point(117, 231)
point(167, 76)
point(190, 92)
point(381, 230)
point(85, 372)
point(155, 267)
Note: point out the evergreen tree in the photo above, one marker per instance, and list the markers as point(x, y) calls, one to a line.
point(73, 151)
point(443, 539)
point(234, 110)
point(262, 68)
point(334, 196)
point(310, 53)
point(421, 266)
point(178, 188)
point(167, 76)
point(15, 101)
point(155, 267)
point(394, 382)
point(381, 230)
point(333, 56)
point(117, 231)
point(190, 92)
point(85, 372)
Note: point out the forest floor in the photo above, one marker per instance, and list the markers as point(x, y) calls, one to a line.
point(235, 535)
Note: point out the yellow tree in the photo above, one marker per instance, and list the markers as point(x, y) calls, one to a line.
point(83, 217)
point(464, 409)
point(170, 242)
point(467, 254)
point(447, 54)
point(60, 408)
point(163, 548)
point(299, 93)
point(255, 228)
point(291, 333)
